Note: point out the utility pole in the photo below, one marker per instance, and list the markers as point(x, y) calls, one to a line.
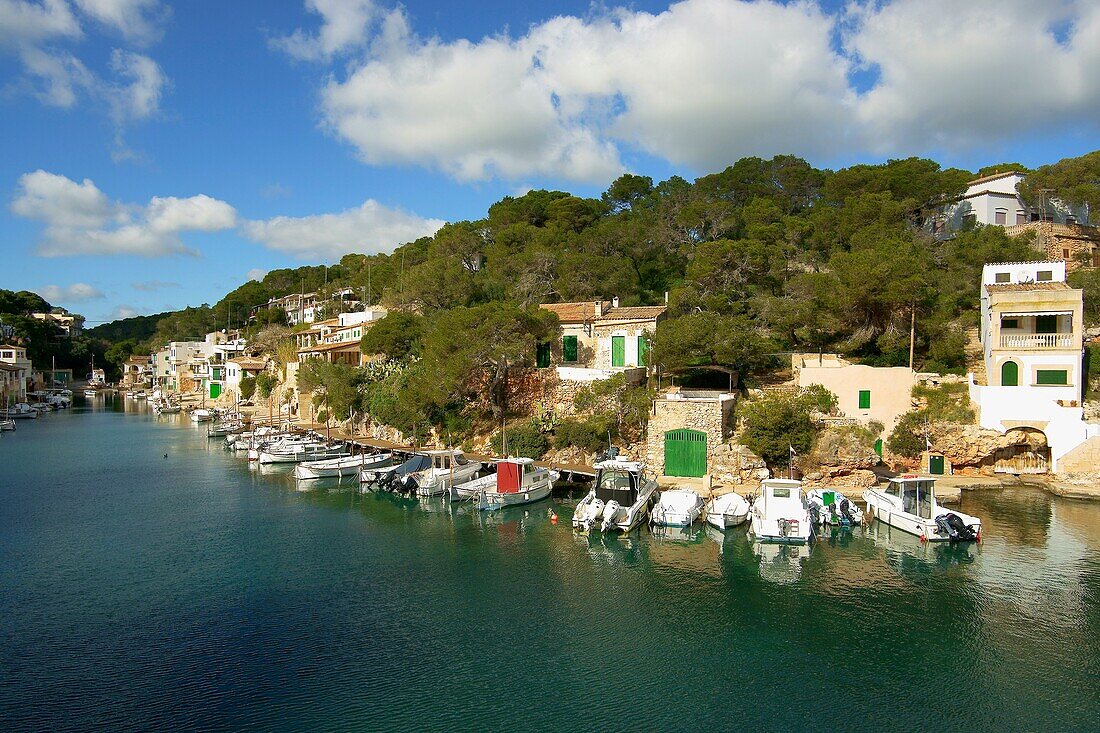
point(912, 332)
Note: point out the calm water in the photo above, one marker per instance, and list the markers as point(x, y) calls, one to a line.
point(139, 592)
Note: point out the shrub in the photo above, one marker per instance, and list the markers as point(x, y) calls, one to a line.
point(248, 387)
point(775, 424)
point(589, 435)
point(266, 383)
point(524, 440)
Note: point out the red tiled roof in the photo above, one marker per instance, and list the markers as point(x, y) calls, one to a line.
point(995, 176)
point(575, 312)
point(634, 313)
point(1026, 287)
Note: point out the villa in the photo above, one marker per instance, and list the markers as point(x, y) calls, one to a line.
point(600, 339)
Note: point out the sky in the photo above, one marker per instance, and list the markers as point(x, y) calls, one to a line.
point(156, 154)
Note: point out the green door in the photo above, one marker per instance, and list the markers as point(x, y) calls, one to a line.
point(935, 465)
point(878, 447)
point(1046, 324)
point(618, 351)
point(569, 348)
point(1010, 374)
point(643, 350)
point(685, 453)
point(215, 390)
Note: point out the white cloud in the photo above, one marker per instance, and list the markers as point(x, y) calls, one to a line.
point(140, 21)
point(124, 311)
point(344, 25)
point(256, 274)
point(369, 228)
point(138, 99)
point(81, 220)
point(69, 293)
point(707, 81)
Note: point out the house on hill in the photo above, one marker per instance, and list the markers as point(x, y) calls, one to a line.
point(599, 339)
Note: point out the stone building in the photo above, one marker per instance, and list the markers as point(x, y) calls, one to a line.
point(600, 338)
point(688, 430)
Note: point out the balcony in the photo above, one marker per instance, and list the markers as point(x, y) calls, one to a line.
point(1037, 341)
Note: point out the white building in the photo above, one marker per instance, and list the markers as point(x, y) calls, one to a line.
point(994, 200)
point(1031, 331)
point(17, 373)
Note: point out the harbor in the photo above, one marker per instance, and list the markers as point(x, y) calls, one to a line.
point(155, 580)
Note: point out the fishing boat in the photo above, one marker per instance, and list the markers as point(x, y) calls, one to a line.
point(6, 424)
point(516, 481)
point(727, 510)
point(90, 391)
point(676, 508)
point(340, 467)
point(201, 415)
point(450, 468)
point(394, 478)
point(299, 452)
point(909, 503)
point(20, 411)
point(833, 508)
point(225, 427)
point(780, 514)
point(619, 499)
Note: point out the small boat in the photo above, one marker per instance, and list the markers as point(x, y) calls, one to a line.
point(450, 468)
point(6, 424)
point(676, 508)
point(780, 514)
point(346, 466)
point(517, 481)
point(394, 478)
point(833, 508)
point(909, 503)
point(727, 510)
point(297, 453)
point(619, 499)
point(20, 411)
point(222, 429)
point(201, 415)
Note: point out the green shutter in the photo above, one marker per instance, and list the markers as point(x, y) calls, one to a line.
point(643, 350)
point(878, 447)
point(685, 453)
point(1010, 374)
point(865, 399)
point(1046, 324)
point(569, 348)
point(618, 351)
point(215, 390)
point(542, 356)
point(1051, 376)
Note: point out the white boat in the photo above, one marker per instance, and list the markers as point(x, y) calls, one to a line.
point(516, 481)
point(222, 429)
point(909, 504)
point(6, 424)
point(676, 508)
point(20, 411)
point(727, 510)
point(449, 468)
point(831, 507)
point(394, 478)
point(297, 453)
point(780, 514)
point(619, 499)
point(346, 466)
point(201, 415)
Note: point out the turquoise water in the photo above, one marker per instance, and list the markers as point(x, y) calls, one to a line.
point(139, 592)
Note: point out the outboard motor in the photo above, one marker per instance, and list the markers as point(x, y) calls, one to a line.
point(846, 511)
point(409, 486)
point(815, 513)
point(609, 512)
point(955, 528)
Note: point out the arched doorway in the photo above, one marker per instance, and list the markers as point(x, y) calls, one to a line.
point(1027, 452)
point(1010, 374)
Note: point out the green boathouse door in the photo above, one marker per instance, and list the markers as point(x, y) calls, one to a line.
point(935, 465)
point(685, 453)
point(1010, 374)
point(618, 351)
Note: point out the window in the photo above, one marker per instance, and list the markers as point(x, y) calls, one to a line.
point(1002, 277)
point(1021, 217)
point(569, 348)
point(1046, 324)
point(865, 399)
point(1051, 376)
point(1045, 276)
point(542, 356)
point(1000, 216)
point(1010, 323)
point(893, 489)
point(781, 493)
point(1065, 254)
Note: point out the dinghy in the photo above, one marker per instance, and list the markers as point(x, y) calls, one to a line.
point(676, 508)
point(393, 478)
point(833, 508)
point(727, 510)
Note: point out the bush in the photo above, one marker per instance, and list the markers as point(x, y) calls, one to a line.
point(322, 416)
point(588, 435)
point(248, 387)
point(907, 438)
point(779, 422)
point(945, 403)
point(524, 440)
point(266, 383)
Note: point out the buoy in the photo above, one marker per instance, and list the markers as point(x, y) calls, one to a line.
point(922, 539)
point(553, 519)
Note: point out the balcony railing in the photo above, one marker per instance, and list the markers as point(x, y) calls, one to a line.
point(1037, 341)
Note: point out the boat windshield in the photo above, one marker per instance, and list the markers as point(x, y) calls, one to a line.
point(616, 484)
point(917, 498)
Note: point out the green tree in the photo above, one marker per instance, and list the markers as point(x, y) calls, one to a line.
point(706, 340)
point(1074, 181)
point(396, 336)
point(247, 387)
point(780, 421)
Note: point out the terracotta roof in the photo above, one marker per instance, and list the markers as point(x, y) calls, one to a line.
point(137, 359)
point(249, 363)
point(330, 347)
point(575, 312)
point(634, 313)
point(10, 367)
point(1026, 287)
point(995, 176)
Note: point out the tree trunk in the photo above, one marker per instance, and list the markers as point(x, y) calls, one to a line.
point(498, 389)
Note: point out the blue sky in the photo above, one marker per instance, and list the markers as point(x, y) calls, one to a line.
point(157, 153)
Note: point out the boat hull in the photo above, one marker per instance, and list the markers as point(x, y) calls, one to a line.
point(493, 500)
point(881, 508)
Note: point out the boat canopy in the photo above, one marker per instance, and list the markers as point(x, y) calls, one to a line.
point(617, 483)
point(416, 464)
point(917, 494)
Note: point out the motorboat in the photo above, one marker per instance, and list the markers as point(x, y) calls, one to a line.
point(226, 427)
point(450, 468)
point(619, 499)
point(516, 481)
point(340, 467)
point(780, 514)
point(831, 507)
point(727, 510)
point(395, 478)
point(90, 391)
point(20, 411)
point(676, 508)
point(299, 452)
point(6, 424)
point(201, 415)
point(909, 503)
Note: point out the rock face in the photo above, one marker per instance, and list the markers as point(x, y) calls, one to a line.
point(734, 464)
point(974, 448)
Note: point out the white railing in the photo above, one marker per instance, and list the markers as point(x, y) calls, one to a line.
point(1037, 341)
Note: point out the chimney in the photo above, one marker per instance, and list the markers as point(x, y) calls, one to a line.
point(599, 308)
point(615, 302)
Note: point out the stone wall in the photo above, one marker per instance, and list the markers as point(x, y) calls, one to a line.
point(712, 416)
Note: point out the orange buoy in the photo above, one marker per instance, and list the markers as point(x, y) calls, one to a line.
point(553, 519)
